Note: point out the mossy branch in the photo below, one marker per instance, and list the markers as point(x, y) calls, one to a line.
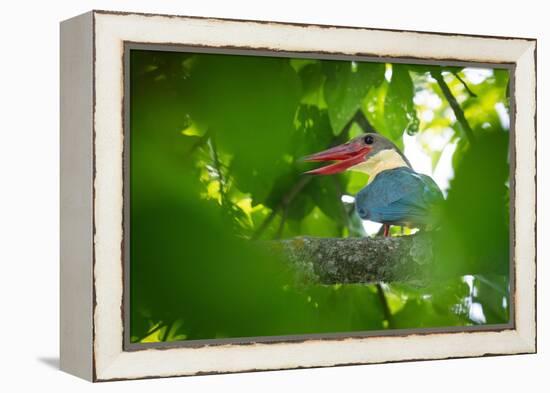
point(358, 260)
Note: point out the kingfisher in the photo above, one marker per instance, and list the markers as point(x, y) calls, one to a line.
point(395, 194)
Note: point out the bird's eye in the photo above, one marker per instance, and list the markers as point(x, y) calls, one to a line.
point(369, 139)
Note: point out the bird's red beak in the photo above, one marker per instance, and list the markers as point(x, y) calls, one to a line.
point(347, 155)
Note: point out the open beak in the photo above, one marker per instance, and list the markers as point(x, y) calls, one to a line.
point(346, 155)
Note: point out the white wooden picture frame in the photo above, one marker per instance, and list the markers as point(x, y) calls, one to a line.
point(92, 181)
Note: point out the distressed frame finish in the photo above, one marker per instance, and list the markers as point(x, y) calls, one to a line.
point(92, 193)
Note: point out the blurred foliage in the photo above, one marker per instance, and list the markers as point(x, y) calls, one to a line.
point(215, 150)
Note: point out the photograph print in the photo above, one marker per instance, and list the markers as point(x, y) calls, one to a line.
point(280, 198)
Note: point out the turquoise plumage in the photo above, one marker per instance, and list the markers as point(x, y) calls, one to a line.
point(399, 196)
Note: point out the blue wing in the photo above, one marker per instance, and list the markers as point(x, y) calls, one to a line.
point(398, 196)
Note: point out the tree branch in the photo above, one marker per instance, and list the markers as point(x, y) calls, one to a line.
point(363, 122)
point(284, 202)
point(466, 87)
point(357, 260)
point(200, 142)
point(459, 113)
point(282, 223)
point(217, 165)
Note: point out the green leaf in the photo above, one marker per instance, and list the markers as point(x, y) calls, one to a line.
point(250, 104)
point(436, 305)
point(312, 78)
point(313, 132)
point(399, 110)
point(356, 181)
point(491, 291)
point(423, 68)
point(326, 191)
point(251, 178)
point(347, 306)
point(300, 207)
point(346, 85)
point(475, 235)
point(298, 64)
point(316, 223)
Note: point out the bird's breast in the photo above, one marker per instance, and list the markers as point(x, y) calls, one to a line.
point(382, 161)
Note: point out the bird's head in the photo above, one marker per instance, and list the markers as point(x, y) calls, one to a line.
point(369, 153)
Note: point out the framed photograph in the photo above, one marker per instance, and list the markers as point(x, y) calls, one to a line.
point(245, 195)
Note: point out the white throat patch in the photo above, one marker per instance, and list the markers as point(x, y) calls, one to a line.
point(381, 161)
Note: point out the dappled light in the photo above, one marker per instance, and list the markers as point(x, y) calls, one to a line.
point(216, 173)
